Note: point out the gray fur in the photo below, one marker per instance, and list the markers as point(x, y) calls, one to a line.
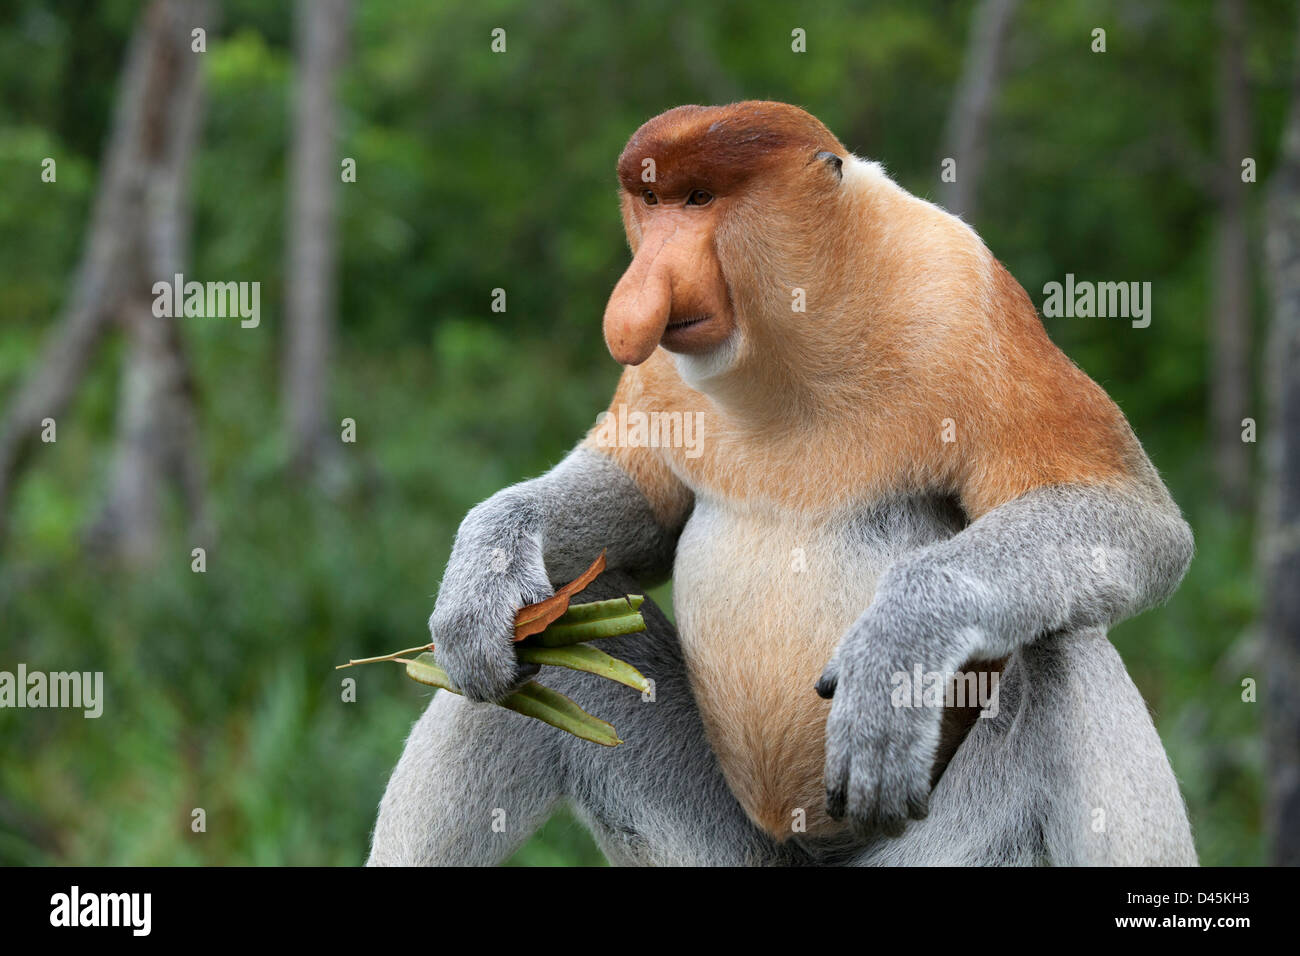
point(1056, 559)
point(1072, 736)
point(465, 763)
point(659, 798)
point(511, 547)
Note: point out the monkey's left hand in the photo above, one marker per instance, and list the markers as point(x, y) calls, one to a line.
point(1054, 559)
point(880, 751)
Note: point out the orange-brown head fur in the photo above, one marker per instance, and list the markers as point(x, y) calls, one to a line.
point(720, 148)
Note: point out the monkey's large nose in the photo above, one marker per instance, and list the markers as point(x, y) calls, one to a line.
point(639, 306)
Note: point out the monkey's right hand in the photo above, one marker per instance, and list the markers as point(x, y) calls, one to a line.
point(495, 569)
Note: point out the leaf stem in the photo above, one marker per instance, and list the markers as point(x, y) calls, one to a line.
point(387, 657)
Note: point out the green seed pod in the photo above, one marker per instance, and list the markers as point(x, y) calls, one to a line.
point(552, 707)
point(532, 700)
point(559, 635)
point(580, 657)
point(424, 670)
point(596, 610)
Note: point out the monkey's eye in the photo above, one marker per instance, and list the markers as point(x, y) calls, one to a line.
point(649, 198)
point(699, 197)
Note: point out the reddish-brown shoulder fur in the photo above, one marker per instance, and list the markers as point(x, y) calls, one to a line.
point(1049, 422)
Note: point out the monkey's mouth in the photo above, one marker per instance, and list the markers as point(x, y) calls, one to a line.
point(695, 334)
point(687, 322)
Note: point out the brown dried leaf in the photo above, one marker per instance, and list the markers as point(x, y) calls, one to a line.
point(535, 618)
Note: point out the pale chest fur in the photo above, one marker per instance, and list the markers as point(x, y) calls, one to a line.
point(761, 598)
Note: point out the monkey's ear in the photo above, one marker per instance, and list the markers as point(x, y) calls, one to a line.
point(833, 161)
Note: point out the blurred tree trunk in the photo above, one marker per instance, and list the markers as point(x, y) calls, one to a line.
point(968, 123)
point(157, 430)
point(1280, 527)
point(134, 240)
point(321, 41)
point(1230, 331)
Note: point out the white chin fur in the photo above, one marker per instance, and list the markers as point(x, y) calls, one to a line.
point(697, 371)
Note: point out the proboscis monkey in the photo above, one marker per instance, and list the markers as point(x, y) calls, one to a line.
point(894, 473)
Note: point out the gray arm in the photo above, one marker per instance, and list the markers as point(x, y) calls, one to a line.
point(513, 545)
point(1056, 558)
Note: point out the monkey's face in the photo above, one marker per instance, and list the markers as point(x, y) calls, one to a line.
point(696, 183)
point(674, 293)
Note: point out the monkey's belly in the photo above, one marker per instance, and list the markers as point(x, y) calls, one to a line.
point(761, 601)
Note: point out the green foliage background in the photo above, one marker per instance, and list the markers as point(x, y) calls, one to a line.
point(477, 171)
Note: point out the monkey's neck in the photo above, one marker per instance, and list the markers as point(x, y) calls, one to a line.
point(776, 388)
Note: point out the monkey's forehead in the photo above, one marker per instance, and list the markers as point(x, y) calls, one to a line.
point(718, 147)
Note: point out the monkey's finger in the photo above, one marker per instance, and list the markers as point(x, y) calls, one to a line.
point(837, 777)
point(874, 807)
point(872, 818)
point(918, 784)
point(890, 824)
point(835, 799)
point(830, 678)
point(918, 801)
point(526, 671)
point(827, 683)
point(891, 808)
